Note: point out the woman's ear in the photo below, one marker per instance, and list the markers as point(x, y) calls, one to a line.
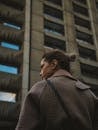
point(54, 64)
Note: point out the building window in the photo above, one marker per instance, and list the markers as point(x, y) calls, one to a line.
point(84, 36)
point(87, 53)
point(6, 96)
point(82, 1)
point(89, 71)
point(53, 12)
point(96, 4)
point(14, 4)
point(8, 69)
point(80, 10)
point(54, 43)
point(82, 22)
point(53, 27)
point(12, 26)
point(58, 2)
point(10, 45)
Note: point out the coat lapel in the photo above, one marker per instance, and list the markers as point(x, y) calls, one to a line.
point(81, 85)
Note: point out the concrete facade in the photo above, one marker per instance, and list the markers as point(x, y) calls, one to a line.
point(69, 25)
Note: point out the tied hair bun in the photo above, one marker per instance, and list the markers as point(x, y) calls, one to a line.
point(71, 57)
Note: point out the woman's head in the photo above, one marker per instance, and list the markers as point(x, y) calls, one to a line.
point(54, 60)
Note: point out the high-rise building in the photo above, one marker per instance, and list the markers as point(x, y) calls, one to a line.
point(28, 28)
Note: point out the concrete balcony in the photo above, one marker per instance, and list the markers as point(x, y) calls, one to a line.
point(53, 5)
point(49, 17)
point(9, 113)
point(83, 29)
point(89, 80)
point(12, 16)
point(85, 44)
point(14, 3)
point(54, 35)
point(10, 57)
point(11, 35)
point(80, 3)
point(88, 62)
point(10, 82)
point(81, 16)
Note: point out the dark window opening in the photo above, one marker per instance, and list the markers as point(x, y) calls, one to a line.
point(89, 71)
point(14, 4)
point(53, 12)
point(82, 22)
point(53, 27)
point(96, 4)
point(87, 53)
point(54, 43)
point(11, 22)
point(81, 10)
point(82, 1)
point(58, 2)
point(84, 36)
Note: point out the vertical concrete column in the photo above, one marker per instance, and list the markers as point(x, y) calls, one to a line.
point(37, 40)
point(70, 35)
point(26, 50)
point(94, 17)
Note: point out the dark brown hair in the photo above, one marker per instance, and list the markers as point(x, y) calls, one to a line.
point(62, 58)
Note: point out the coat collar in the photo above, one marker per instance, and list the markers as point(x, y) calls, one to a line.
point(81, 85)
point(65, 73)
point(62, 72)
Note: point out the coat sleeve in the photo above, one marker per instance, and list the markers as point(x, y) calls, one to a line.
point(30, 114)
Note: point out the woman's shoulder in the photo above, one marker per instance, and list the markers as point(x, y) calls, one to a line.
point(38, 88)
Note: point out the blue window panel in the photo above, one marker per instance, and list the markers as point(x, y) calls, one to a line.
point(6, 96)
point(9, 45)
point(8, 69)
point(12, 26)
